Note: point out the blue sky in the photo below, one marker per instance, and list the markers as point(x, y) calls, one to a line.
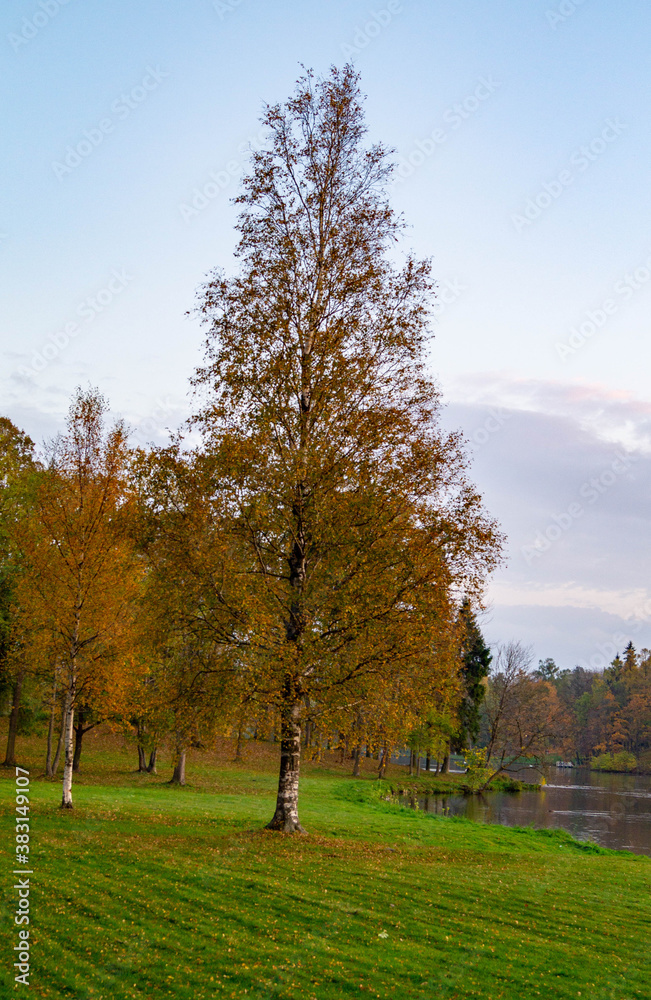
point(521, 131)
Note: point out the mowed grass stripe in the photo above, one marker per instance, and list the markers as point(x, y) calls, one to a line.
point(147, 891)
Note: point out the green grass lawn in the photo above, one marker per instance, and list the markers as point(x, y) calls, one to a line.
point(149, 891)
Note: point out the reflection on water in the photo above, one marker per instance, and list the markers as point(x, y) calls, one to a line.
point(612, 809)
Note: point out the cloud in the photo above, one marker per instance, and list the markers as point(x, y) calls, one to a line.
point(571, 635)
point(624, 604)
point(614, 416)
point(566, 468)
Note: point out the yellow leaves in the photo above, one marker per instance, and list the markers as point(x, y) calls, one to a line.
point(81, 580)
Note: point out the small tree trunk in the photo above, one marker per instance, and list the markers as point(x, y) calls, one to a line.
point(57, 756)
point(10, 756)
point(418, 763)
point(68, 736)
point(79, 735)
point(368, 750)
point(50, 731)
point(140, 734)
point(238, 747)
point(151, 766)
point(178, 776)
point(427, 763)
point(384, 760)
point(285, 817)
point(49, 766)
point(445, 765)
point(357, 756)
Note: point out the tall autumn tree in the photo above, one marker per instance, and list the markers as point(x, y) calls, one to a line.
point(345, 508)
point(16, 463)
point(193, 687)
point(475, 664)
point(80, 576)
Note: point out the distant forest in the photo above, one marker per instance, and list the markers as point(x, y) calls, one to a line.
point(607, 713)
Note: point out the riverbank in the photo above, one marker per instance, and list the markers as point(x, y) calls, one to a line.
point(149, 891)
point(453, 784)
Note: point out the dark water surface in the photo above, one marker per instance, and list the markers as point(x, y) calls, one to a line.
point(612, 809)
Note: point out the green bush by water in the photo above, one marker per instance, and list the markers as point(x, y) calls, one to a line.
point(620, 762)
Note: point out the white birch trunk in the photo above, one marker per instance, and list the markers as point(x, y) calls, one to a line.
point(68, 736)
point(285, 817)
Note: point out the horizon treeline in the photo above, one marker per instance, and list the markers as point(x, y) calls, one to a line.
point(608, 712)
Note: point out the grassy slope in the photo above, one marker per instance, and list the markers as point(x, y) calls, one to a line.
point(148, 891)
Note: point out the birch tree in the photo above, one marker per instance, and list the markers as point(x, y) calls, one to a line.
point(348, 507)
point(81, 577)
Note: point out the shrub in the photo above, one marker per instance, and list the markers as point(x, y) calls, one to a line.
point(622, 761)
point(477, 774)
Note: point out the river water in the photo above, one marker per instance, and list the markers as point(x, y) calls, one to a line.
point(612, 809)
